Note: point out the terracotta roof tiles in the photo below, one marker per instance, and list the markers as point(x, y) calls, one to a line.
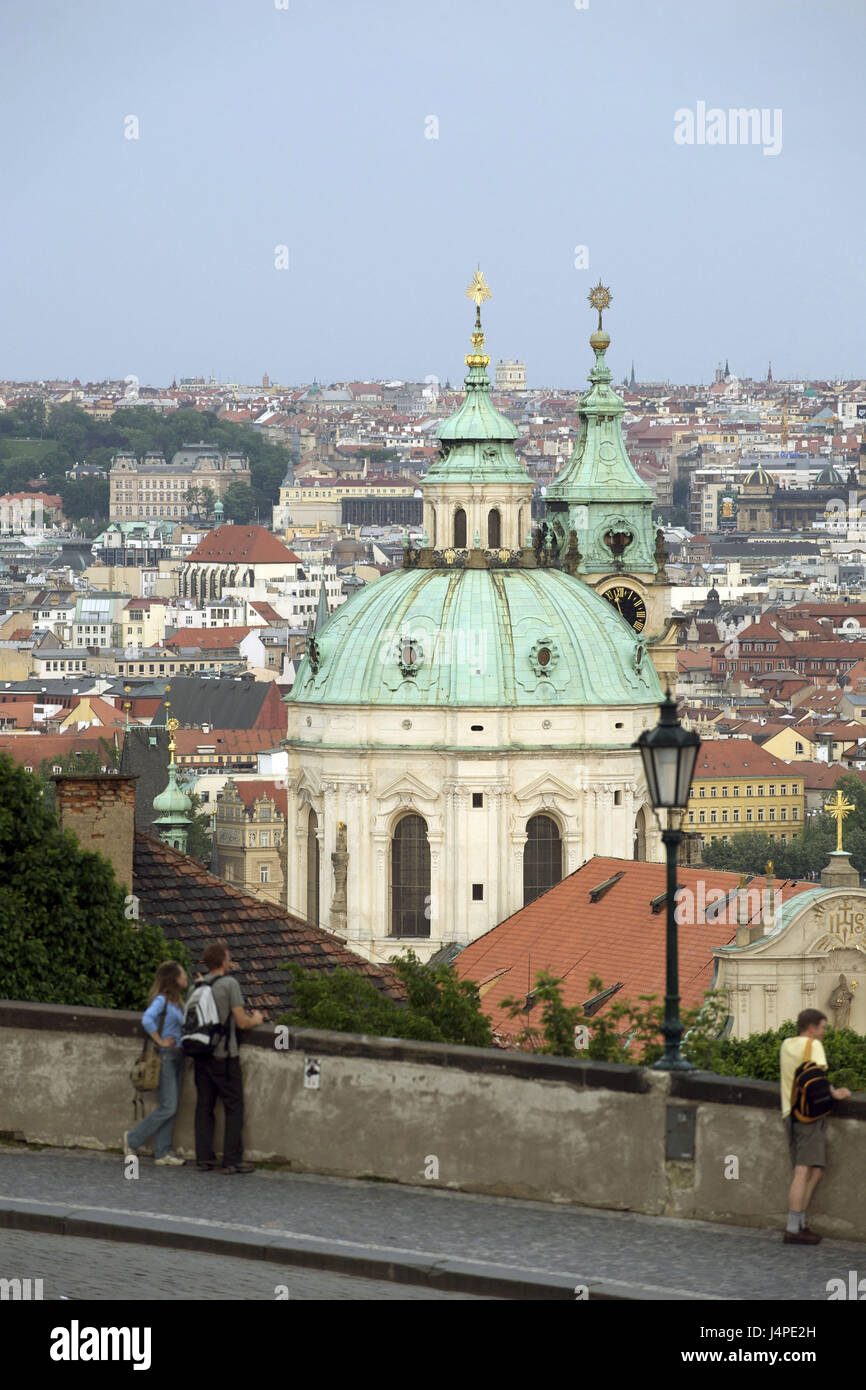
point(251, 544)
point(195, 907)
point(618, 938)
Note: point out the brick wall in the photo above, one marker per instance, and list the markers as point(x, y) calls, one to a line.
point(100, 811)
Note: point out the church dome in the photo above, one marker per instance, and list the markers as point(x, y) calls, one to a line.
point(172, 802)
point(476, 637)
point(759, 477)
point(828, 477)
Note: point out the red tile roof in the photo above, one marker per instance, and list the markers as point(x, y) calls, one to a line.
point(251, 792)
point(29, 750)
point(618, 938)
point(823, 776)
point(253, 545)
point(225, 741)
point(195, 907)
point(268, 612)
point(207, 638)
point(736, 757)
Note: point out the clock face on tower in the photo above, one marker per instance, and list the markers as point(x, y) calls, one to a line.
point(629, 604)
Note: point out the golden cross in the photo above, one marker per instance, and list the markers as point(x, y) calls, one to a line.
point(839, 809)
point(479, 290)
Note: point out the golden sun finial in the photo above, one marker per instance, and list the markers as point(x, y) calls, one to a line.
point(600, 298)
point(479, 290)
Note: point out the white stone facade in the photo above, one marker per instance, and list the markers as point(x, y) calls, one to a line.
point(367, 768)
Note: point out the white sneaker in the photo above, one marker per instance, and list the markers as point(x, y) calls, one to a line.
point(128, 1150)
point(171, 1160)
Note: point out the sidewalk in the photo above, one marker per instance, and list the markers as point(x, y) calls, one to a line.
point(444, 1240)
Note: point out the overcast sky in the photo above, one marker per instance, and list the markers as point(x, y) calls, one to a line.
point(311, 128)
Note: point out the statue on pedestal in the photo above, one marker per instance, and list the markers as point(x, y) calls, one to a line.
point(340, 861)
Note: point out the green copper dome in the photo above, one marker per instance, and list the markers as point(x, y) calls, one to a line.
point(476, 441)
point(172, 803)
point(476, 637)
point(828, 477)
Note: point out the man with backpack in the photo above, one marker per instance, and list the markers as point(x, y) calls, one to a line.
point(214, 1013)
point(807, 1099)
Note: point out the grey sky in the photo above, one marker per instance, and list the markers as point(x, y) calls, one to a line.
point(261, 127)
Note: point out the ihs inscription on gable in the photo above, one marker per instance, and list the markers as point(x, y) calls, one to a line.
point(844, 924)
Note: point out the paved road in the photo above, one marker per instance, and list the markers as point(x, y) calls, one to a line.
point(77, 1268)
point(628, 1251)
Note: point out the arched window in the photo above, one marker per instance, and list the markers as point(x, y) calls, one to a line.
point(410, 878)
point(494, 529)
point(460, 529)
point(542, 857)
point(640, 834)
point(312, 868)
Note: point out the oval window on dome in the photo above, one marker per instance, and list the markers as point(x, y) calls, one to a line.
point(409, 654)
point(544, 656)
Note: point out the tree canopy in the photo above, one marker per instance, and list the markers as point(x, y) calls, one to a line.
point(39, 444)
point(68, 931)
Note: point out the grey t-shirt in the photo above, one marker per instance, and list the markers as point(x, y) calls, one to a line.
point(227, 995)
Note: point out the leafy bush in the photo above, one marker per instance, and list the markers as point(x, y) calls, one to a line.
point(631, 1033)
point(439, 1006)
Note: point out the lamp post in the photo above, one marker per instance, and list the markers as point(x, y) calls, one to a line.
point(669, 753)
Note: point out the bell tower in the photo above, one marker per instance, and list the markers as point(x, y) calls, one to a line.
point(599, 507)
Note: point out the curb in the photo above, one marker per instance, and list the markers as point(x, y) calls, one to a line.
point(404, 1267)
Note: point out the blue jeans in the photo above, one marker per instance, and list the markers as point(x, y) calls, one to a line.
point(161, 1120)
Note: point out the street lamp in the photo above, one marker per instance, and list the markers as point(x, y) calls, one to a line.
point(669, 753)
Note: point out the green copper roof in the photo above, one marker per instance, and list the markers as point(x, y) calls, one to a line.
point(599, 468)
point(172, 805)
point(829, 477)
point(477, 439)
point(476, 637)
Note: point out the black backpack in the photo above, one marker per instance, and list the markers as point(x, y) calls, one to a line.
point(810, 1092)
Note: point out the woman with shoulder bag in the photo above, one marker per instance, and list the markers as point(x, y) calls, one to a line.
point(162, 1020)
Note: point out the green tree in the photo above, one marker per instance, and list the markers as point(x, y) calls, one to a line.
point(88, 497)
point(30, 417)
point(241, 503)
point(439, 1007)
point(200, 500)
point(199, 842)
point(67, 933)
point(623, 1031)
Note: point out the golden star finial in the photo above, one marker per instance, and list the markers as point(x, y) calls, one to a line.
point(479, 290)
point(839, 809)
point(600, 297)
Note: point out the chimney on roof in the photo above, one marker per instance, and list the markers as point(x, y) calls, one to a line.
point(99, 809)
point(744, 934)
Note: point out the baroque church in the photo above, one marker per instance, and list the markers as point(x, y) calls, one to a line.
point(460, 731)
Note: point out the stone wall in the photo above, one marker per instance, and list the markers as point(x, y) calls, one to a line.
point(473, 1119)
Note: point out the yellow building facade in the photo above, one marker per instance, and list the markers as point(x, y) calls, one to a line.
point(738, 788)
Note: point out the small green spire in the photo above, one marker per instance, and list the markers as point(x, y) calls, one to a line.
point(172, 805)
